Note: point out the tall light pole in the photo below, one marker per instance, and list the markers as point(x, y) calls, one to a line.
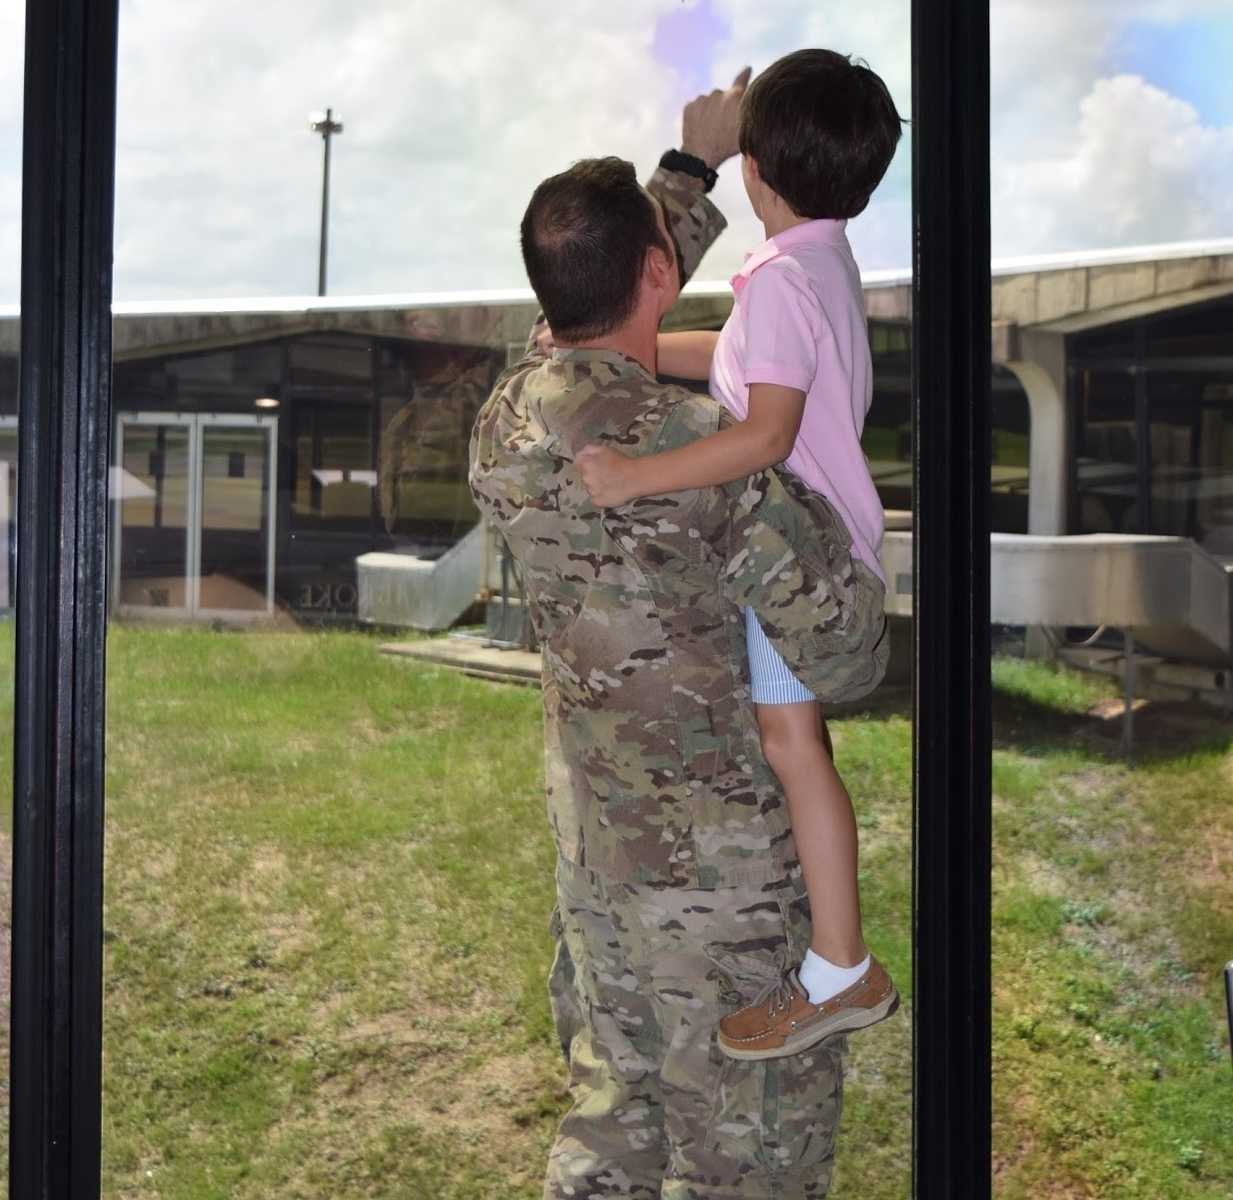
point(326, 126)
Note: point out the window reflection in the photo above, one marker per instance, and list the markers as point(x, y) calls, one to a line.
point(887, 438)
point(368, 444)
point(1010, 452)
point(1191, 432)
point(302, 951)
point(1108, 454)
point(333, 481)
point(151, 488)
point(236, 547)
point(1154, 434)
point(429, 400)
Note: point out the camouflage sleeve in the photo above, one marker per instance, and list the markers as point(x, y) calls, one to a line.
point(693, 220)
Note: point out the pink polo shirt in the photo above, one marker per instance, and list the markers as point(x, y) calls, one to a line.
point(798, 320)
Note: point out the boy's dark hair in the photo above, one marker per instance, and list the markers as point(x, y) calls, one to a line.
point(822, 129)
point(585, 237)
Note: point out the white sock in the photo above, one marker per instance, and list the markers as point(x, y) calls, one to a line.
point(822, 979)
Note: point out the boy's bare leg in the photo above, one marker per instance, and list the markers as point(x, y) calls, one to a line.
point(794, 742)
point(839, 986)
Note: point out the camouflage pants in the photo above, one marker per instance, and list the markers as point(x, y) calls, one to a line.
point(641, 977)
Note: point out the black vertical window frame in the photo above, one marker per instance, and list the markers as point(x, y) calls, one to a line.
point(67, 198)
point(951, 373)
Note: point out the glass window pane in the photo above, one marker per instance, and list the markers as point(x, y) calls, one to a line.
point(151, 488)
point(330, 871)
point(334, 475)
point(1191, 469)
point(430, 396)
point(1010, 452)
point(1113, 648)
point(1107, 454)
point(236, 466)
point(887, 440)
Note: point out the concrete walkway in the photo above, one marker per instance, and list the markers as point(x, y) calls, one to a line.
point(472, 657)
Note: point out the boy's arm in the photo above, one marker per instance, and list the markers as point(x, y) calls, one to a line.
point(763, 439)
point(686, 355)
point(539, 340)
point(784, 326)
point(770, 544)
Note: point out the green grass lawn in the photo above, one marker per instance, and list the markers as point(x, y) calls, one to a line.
point(328, 879)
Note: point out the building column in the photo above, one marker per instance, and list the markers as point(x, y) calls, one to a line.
point(1041, 368)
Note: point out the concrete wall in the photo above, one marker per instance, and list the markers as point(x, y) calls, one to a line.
point(1035, 297)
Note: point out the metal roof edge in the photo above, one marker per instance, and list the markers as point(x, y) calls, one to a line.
point(888, 277)
point(1111, 257)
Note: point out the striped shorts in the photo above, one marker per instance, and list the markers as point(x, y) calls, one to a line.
point(773, 682)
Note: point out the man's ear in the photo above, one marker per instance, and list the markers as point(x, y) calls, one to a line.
point(659, 268)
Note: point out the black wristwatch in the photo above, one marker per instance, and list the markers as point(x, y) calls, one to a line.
point(689, 164)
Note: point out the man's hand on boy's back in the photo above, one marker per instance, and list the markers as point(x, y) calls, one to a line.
point(710, 122)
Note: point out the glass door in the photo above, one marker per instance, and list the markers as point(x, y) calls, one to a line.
point(194, 499)
point(153, 505)
point(235, 573)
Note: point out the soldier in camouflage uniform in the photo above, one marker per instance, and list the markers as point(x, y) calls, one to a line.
point(679, 892)
point(422, 443)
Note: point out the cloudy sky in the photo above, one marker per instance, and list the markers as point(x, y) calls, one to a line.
point(1112, 125)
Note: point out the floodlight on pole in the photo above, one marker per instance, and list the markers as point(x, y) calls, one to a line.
point(326, 126)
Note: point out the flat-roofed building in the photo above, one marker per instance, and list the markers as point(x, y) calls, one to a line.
point(261, 446)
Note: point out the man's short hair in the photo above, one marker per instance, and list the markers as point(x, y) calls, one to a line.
point(585, 238)
point(822, 129)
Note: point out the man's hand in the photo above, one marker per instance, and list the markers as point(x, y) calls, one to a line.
point(605, 475)
point(709, 123)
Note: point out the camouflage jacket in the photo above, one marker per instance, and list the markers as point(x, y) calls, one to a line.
point(653, 763)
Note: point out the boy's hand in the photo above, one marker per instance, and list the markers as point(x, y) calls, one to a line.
point(709, 124)
point(543, 340)
point(606, 475)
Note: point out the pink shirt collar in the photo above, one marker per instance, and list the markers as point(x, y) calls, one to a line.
point(822, 230)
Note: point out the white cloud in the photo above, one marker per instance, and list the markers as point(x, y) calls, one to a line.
point(454, 111)
point(12, 25)
point(1082, 160)
point(446, 134)
point(1139, 168)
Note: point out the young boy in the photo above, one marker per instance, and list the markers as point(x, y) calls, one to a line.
point(792, 362)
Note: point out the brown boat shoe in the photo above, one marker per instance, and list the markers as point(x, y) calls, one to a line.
point(782, 1021)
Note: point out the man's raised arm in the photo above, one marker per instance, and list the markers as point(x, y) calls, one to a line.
point(709, 127)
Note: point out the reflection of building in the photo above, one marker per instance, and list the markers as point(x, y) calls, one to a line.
point(1112, 393)
point(260, 447)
